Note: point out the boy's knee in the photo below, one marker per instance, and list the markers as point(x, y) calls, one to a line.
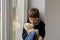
point(34, 33)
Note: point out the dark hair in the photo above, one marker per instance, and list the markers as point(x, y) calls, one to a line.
point(33, 12)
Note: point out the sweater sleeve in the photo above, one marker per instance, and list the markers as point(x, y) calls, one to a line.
point(24, 34)
point(42, 33)
point(42, 30)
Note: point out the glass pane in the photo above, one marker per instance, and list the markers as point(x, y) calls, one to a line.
point(17, 8)
point(14, 19)
point(14, 23)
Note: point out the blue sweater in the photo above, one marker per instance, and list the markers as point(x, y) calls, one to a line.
point(40, 26)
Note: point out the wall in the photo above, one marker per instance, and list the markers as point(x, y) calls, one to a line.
point(52, 13)
point(0, 5)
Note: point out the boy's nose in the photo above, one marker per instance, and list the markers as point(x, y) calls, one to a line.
point(32, 22)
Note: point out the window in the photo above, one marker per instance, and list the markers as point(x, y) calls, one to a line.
point(13, 22)
point(19, 8)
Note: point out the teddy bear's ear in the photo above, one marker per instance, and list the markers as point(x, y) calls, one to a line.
point(26, 24)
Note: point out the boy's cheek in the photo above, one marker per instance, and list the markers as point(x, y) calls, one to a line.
point(35, 22)
point(31, 21)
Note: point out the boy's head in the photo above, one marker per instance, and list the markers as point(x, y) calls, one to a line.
point(33, 15)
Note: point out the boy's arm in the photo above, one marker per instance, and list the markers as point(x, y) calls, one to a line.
point(24, 34)
point(42, 33)
point(42, 30)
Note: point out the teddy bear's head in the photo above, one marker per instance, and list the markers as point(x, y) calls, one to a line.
point(28, 26)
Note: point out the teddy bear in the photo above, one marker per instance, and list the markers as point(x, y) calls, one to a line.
point(29, 26)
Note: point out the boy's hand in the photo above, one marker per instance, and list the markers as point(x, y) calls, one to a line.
point(37, 31)
point(30, 30)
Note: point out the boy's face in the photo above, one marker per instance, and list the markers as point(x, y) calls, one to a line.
point(33, 20)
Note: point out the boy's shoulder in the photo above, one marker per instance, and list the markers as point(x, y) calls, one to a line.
point(42, 23)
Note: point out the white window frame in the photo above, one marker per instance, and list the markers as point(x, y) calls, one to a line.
point(0, 21)
point(7, 18)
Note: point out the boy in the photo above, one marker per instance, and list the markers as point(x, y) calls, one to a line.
point(34, 18)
